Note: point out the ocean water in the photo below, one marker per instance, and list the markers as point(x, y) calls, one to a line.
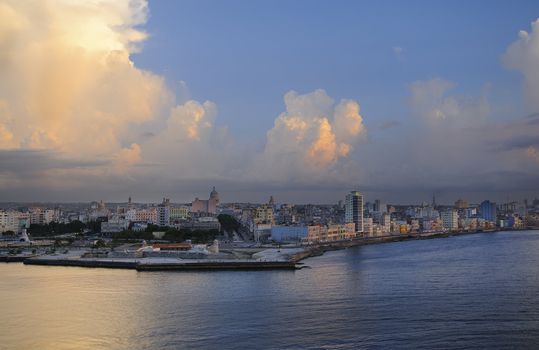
point(469, 292)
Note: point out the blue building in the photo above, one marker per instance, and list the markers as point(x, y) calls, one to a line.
point(288, 233)
point(488, 210)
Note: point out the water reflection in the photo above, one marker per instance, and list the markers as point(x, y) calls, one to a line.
point(478, 291)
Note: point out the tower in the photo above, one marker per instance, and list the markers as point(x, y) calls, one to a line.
point(214, 195)
point(354, 209)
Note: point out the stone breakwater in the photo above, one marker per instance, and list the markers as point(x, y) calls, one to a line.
point(157, 264)
point(268, 259)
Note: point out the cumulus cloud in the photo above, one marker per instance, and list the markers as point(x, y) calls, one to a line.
point(68, 83)
point(311, 137)
point(523, 55)
point(69, 87)
point(129, 155)
point(192, 120)
point(429, 100)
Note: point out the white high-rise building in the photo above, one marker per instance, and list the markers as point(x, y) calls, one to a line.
point(450, 219)
point(9, 221)
point(163, 213)
point(385, 222)
point(354, 210)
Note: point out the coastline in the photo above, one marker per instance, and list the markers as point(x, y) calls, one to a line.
point(320, 249)
point(290, 260)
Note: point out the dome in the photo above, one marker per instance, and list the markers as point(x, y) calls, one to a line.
point(214, 194)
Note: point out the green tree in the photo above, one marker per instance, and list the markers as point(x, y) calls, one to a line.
point(228, 223)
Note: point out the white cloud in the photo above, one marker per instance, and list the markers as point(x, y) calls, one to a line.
point(68, 83)
point(523, 55)
point(430, 100)
point(310, 138)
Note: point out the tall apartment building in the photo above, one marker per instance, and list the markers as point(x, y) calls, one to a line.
point(354, 210)
point(450, 219)
point(9, 221)
point(488, 210)
point(163, 213)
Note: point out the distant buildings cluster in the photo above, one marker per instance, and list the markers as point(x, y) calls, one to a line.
point(200, 214)
point(351, 218)
point(15, 220)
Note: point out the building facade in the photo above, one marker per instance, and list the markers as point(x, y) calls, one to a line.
point(450, 219)
point(488, 210)
point(354, 210)
point(206, 206)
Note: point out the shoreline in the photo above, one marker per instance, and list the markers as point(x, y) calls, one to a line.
point(320, 249)
point(292, 261)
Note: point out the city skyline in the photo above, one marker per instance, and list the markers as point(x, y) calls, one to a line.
point(106, 99)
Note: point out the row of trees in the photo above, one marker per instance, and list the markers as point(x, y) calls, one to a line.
point(56, 228)
point(228, 223)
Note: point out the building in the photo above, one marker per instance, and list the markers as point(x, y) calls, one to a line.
point(203, 223)
point(114, 225)
point(321, 233)
point(40, 216)
point(262, 232)
point(378, 206)
point(179, 213)
point(206, 206)
point(385, 222)
point(264, 214)
point(450, 219)
point(354, 210)
point(368, 227)
point(461, 204)
point(488, 210)
point(289, 233)
point(146, 215)
point(163, 213)
point(9, 221)
point(172, 246)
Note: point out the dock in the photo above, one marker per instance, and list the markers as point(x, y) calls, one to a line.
point(215, 265)
point(163, 264)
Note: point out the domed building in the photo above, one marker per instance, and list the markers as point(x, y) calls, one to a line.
point(206, 206)
point(214, 195)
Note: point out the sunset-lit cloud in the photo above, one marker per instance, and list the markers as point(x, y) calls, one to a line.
point(68, 83)
point(311, 137)
point(77, 114)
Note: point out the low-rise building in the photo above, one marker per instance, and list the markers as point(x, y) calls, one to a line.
point(336, 232)
point(114, 225)
point(288, 233)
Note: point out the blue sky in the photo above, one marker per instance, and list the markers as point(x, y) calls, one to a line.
point(245, 55)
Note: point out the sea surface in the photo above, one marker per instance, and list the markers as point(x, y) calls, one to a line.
point(469, 292)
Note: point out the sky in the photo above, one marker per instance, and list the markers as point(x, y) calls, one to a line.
point(302, 100)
